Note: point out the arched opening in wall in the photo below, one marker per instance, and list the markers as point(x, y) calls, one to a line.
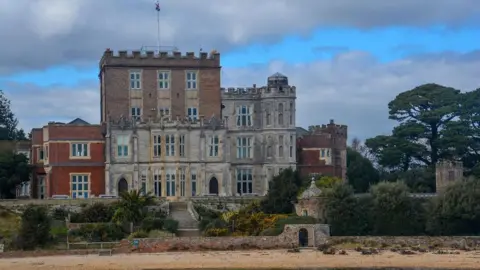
point(303, 237)
point(122, 185)
point(213, 186)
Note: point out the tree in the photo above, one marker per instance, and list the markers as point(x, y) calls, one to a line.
point(423, 113)
point(360, 171)
point(8, 121)
point(14, 169)
point(35, 227)
point(282, 192)
point(131, 206)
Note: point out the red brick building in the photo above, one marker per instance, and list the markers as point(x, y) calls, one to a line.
point(322, 150)
point(68, 160)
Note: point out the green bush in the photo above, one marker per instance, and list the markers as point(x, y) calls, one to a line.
point(170, 225)
point(138, 234)
point(101, 232)
point(97, 212)
point(150, 223)
point(59, 214)
point(35, 227)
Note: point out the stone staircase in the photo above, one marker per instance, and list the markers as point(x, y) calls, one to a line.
point(187, 225)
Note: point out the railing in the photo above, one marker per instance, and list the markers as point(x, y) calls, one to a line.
point(92, 245)
point(192, 211)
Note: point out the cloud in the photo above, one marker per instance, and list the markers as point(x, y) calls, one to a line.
point(353, 88)
point(36, 34)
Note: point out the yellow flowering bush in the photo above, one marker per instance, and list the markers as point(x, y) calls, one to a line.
point(216, 232)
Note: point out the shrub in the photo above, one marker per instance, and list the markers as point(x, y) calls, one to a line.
point(59, 214)
point(158, 234)
point(170, 225)
point(216, 232)
point(35, 227)
point(150, 223)
point(58, 233)
point(97, 212)
point(138, 234)
point(101, 232)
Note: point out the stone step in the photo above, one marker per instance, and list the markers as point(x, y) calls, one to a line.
point(188, 233)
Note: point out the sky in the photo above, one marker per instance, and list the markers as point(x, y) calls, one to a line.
point(347, 58)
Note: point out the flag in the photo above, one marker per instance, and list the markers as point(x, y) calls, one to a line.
point(157, 6)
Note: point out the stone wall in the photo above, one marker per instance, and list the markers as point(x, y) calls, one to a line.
point(409, 241)
point(317, 234)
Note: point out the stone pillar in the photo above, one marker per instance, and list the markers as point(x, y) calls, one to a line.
point(164, 182)
point(108, 183)
point(135, 179)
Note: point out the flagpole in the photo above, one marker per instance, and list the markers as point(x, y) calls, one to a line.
point(158, 25)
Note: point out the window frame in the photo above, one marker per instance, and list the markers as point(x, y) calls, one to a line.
point(214, 146)
point(85, 150)
point(169, 145)
point(192, 113)
point(123, 142)
point(165, 82)
point(244, 151)
point(191, 83)
point(74, 180)
point(157, 145)
point(244, 186)
point(135, 82)
point(244, 118)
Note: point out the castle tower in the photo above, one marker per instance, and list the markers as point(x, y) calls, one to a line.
point(446, 173)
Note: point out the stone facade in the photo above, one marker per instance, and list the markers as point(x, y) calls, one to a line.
point(184, 157)
point(315, 233)
point(446, 173)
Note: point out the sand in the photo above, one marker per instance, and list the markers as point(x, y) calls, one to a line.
point(243, 259)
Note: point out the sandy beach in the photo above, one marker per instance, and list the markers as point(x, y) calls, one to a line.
point(243, 259)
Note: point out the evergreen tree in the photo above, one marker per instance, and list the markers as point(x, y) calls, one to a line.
point(8, 121)
point(282, 192)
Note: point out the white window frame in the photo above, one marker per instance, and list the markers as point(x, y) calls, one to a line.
point(214, 146)
point(193, 182)
point(192, 113)
point(81, 180)
point(135, 79)
point(165, 111)
point(244, 181)
point(123, 144)
point(157, 145)
point(171, 183)
point(157, 183)
point(40, 154)
point(191, 80)
point(244, 147)
point(143, 181)
point(291, 146)
point(244, 116)
point(79, 150)
point(136, 113)
point(169, 145)
point(280, 145)
point(41, 187)
point(163, 79)
point(181, 145)
point(183, 182)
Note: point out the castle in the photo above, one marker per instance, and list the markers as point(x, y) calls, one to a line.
point(169, 128)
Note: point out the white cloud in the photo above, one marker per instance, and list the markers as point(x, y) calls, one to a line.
point(352, 88)
point(48, 32)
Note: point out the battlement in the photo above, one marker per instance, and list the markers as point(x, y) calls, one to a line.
point(331, 128)
point(155, 58)
point(449, 164)
point(168, 122)
point(254, 92)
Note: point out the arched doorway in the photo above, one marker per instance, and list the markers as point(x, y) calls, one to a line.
point(122, 185)
point(303, 237)
point(213, 186)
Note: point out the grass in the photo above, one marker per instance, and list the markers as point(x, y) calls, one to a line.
point(9, 223)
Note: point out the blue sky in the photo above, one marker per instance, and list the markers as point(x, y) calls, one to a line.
point(342, 69)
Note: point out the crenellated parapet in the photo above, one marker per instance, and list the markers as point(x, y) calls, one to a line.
point(256, 93)
point(168, 123)
point(154, 58)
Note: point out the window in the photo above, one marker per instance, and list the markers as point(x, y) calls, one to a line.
point(170, 145)
point(46, 151)
point(192, 114)
point(451, 175)
point(244, 147)
point(182, 145)
point(41, 186)
point(193, 180)
point(170, 175)
point(163, 79)
point(135, 80)
point(269, 116)
point(280, 146)
point(122, 145)
point(269, 151)
point(182, 182)
point(157, 183)
point(244, 181)
point(280, 113)
point(79, 186)
point(191, 80)
point(328, 152)
point(291, 146)
point(40, 154)
point(157, 145)
point(244, 116)
point(291, 113)
point(323, 152)
point(136, 113)
point(164, 111)
point(213, 147)
point(143, 180)
point(79, 150)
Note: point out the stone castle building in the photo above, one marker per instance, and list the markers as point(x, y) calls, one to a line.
point(171, 130)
